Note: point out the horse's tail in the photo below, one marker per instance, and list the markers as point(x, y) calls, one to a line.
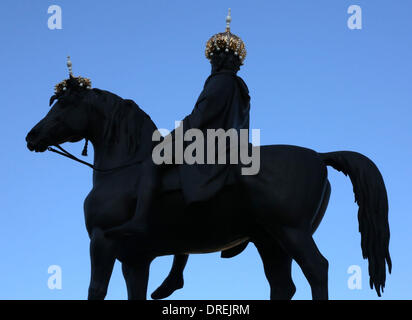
point(371, 197)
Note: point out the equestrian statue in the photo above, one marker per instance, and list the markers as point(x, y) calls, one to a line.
point(139, 209)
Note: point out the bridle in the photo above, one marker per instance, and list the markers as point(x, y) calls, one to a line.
point(67, 154)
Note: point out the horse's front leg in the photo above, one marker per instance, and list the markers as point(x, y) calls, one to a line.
point(102, 261)
point(136, 275)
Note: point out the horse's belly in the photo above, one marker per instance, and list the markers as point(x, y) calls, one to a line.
point(220, 246)
point(204, 239)
point(209, 227)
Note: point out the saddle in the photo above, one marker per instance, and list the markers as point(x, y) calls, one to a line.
point(170, 180)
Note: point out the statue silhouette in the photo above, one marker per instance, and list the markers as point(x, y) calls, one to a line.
point(202, 208)
point(277, 210)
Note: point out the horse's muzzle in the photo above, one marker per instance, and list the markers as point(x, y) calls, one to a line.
point(33, 145)
point(36, 147)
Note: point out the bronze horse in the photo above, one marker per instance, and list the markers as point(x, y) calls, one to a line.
point(277, 210)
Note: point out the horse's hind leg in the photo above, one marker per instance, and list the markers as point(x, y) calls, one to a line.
point(301, 246)
point(278, 266)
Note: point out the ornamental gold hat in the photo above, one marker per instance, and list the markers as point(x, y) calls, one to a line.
point(72, 81)
point(226, 41)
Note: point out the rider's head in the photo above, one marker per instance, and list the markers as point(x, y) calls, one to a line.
point(225, 61)
point(225, 50)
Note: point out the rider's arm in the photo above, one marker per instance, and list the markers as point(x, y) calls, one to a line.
point(211, 104)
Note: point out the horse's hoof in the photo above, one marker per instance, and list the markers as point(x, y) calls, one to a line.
point(170, 285)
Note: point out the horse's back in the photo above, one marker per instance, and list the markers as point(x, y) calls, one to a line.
point(290, 182)
point(286, 163)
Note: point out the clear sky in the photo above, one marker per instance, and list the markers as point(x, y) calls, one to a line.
point(313, 83)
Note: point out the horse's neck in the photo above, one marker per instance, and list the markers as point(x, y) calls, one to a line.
point(109, 155)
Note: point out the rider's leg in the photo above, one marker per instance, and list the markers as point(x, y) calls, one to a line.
point(148, 185)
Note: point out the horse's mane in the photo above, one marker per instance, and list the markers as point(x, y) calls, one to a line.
point(124, 120)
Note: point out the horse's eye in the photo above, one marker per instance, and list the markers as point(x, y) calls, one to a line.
point(63, 104)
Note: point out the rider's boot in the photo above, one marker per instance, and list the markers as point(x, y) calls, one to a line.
point(138, 225)
point(146, 193)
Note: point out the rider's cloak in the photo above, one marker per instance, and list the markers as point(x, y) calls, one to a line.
point(224, 104)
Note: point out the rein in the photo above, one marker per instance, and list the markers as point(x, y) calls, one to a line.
point(67, 154)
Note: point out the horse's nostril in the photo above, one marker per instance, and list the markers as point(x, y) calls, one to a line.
point(31, 135)
point(30, 146)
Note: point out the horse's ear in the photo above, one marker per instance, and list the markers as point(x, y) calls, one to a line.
point(52, 98)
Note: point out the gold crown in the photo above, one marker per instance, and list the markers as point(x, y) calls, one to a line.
point(79, 81)
point(226, 41)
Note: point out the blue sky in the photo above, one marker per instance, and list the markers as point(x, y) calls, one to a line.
point(313, 83)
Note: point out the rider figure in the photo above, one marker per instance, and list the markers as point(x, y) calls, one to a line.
point(224, 103)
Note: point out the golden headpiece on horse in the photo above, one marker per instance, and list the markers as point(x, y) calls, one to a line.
point(226, 41)
point(76, 81)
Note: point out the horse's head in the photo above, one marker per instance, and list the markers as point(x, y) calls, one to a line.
point(66, 121)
